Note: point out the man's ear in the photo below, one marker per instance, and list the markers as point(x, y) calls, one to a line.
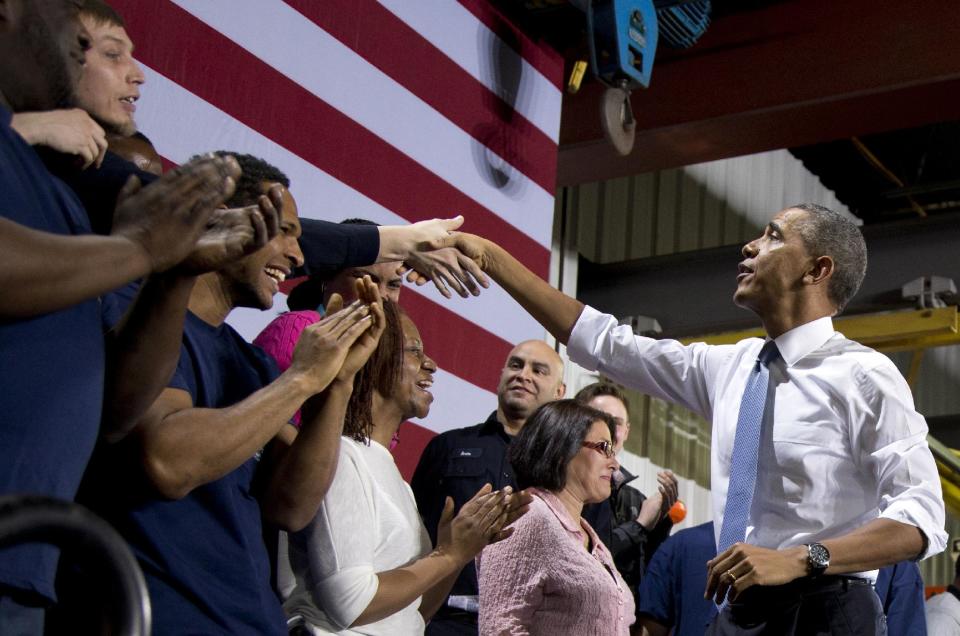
point(561, 390)
point(819, 272)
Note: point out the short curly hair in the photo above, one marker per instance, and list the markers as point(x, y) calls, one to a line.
point(550, 439)
point(256, 172)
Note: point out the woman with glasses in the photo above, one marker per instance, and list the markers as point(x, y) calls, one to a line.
point(555, 576)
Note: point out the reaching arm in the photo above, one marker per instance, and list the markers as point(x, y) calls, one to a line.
point(553, 309)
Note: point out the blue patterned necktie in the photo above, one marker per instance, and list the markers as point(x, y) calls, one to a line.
point(746, 448)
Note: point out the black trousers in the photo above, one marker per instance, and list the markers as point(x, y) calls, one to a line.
point(452, 622)
point(824, 605)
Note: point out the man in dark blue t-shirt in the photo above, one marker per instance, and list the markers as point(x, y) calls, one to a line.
point(58, 367)
point(200, 541)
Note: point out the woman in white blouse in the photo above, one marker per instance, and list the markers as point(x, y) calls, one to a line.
point(364, 565)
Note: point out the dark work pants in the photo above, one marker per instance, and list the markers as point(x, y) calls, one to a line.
point(824, 605)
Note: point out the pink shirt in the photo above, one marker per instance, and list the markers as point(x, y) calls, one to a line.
point(279, 339)
point(542, 581)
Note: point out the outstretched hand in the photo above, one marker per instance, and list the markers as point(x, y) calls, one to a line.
point(167, 218)
point(427, 251)
point(447, 267)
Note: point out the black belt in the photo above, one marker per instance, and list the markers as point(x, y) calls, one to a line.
point(766, 600)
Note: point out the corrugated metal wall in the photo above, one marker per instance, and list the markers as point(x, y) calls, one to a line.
point(707, 205)
point(697, 207)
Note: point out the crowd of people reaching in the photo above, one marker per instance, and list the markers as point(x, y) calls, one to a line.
point(254, 481)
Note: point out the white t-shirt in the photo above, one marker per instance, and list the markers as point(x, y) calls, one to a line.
point(367, 523)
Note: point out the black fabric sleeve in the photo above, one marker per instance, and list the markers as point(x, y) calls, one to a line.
point(329, 247)
point(97, 188)
point(628, 541)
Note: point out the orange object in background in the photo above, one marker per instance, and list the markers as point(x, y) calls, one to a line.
point(677, 512)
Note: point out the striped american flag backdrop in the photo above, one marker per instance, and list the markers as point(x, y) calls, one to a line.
point(395, 111)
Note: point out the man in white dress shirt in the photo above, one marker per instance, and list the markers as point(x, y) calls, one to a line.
point(844, 482)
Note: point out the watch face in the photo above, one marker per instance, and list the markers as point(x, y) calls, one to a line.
point(819, 555)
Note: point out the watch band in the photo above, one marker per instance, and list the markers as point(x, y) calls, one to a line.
point(818, 558)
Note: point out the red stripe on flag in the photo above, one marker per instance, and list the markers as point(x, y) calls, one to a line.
point(387, 43)
point(540, 56)
point(226, 75)
point(457, 345)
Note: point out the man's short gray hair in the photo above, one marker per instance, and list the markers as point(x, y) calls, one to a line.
point(828, 233)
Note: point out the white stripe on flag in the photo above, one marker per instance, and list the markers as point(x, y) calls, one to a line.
point(471, 45)
point(308, 55)
point(201, 127)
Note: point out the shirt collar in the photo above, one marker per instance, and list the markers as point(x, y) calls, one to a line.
point(557, 508)
point(795, 344)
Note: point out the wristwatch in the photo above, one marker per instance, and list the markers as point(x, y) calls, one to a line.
point(818, 558)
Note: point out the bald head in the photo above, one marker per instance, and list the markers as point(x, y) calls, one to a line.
point(531, 376)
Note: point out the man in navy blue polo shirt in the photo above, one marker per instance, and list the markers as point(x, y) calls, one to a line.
point(194, 520)
point(57, 363)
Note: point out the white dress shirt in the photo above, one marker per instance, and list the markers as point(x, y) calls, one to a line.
point(842, 445)
point(367, 523)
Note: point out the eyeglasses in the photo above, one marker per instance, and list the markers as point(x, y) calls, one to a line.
point(603, 447)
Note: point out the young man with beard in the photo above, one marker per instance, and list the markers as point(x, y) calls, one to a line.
point(62, 377)
point(458, 463)
point(821, 473)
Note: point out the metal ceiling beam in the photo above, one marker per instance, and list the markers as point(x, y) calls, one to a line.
point(790, 74)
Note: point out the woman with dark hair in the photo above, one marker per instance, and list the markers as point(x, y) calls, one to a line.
point(555, 576)
point(364, 565)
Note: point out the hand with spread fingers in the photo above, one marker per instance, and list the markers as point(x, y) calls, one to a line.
point(323, 346)
point(518, 504)
point(232, 233)
point(365, 344)
point(742, 566)
point(70, 131)
point(427, 251)
point(167, 218)
point(479, 522)
point(658, 504)
point(446, 267)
